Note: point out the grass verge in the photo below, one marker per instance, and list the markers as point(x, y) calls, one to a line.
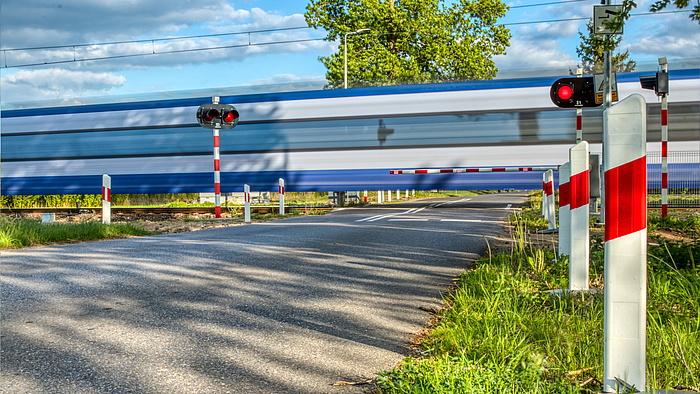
point(17, 233)
point(504, 332)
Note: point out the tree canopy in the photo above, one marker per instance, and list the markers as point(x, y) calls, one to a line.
point(592, 49)
point(410, 41)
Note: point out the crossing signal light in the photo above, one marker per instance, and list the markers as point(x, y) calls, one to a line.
point(573, 92)
point(217, 116)
point(658, 83)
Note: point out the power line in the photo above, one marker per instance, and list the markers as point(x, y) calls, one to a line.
point(147, 40)
point(249, 44)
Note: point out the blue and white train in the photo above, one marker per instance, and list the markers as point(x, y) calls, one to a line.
point(322, 140)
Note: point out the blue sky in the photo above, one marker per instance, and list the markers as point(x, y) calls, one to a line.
point(535, 47)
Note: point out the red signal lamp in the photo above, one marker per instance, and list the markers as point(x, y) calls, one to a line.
point(565, 92)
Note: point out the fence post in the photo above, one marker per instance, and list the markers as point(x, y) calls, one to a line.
point(579, 187)
point(106, 199)
point(624, 333)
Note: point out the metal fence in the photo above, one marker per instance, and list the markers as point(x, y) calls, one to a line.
point(683, 179)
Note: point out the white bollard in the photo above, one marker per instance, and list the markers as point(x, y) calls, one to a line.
point(624, 335)
point(544, 196)
point(549, 192)
point(579, 187)
point(246, 198)
point(564, 216)
point(406, 193)
point(398, 194)
point(281, 192)
point(388, 194)
point(106, 199)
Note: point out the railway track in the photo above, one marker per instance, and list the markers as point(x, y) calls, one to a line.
point(160, 210)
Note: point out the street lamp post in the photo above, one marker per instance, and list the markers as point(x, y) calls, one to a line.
point(345, 52)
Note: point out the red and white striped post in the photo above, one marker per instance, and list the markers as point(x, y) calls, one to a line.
point(579, 187)
point(281, 191)
point(365, 195)
point(664, 145)
point(246, 198)
point(564, 214)
point(624, 337)
point(217, 173)
point(549, 200)
point(106, 199)
point(579, 113)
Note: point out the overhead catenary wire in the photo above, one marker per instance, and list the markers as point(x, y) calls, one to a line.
point(232, 46)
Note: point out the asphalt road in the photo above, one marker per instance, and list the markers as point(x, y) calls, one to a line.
point(289, 306)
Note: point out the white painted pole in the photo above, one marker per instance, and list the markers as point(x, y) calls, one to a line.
point(246, 197)
point(564, 214)
point(579, 186)
point(406, 193)
point(388, 194)
point(281, 192)
point(398, 194)
point(624, 336)
point(380, 195)
point(549, 192)
point(106, 199)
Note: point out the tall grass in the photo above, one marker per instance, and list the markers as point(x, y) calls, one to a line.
point(504, 332)
point(15, 233)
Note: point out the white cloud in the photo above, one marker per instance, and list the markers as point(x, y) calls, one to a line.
point(56, 83)
point(149, 19)
point(525, 55)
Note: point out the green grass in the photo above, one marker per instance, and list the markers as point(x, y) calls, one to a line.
point(16, 233)
point(503, 332)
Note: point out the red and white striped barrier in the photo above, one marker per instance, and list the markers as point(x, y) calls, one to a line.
point(564, 216)
point(469, 170)
point(281, 191)
point(624, 336)
point(106, 199)
point(365, 195)
point(548, 200)
point(246, 197)
point(217, 176)
point(579, 192)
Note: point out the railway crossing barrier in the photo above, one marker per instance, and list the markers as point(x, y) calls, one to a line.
point(106, 199)
point(624, 334)
point(579, 235)
point(564, 218)
point(548, 199)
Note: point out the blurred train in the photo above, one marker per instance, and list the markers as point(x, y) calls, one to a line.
point(322, 140)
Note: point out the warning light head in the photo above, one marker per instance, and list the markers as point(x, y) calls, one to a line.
point(658, 83)
point(573, 92)
point(217, 116)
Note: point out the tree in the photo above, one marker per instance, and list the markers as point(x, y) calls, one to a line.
point(592, 49)
point(411, 41)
